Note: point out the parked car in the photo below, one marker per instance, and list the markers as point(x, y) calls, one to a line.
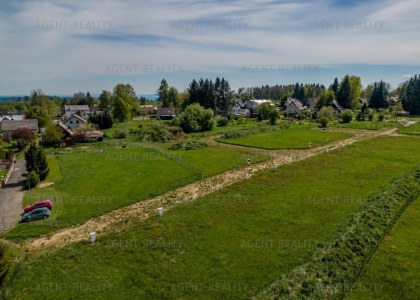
point(42, 203)
point(25, 174)
point(36, 214)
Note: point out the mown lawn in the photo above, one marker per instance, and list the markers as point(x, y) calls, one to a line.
point(414, 129)
point(394, 271)
point(97, 179)
point(369, 125)
point(230, 244)
point(294, 137)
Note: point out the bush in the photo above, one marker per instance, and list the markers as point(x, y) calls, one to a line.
point(324, 122)
point(381, 117)
point(7, 259)
point(33, 179)
point(223, 121)
point(370, 114)
point(346, 116)
point(327, 112)
point(195, 118)
point(158, 132)
point(360, 116)
point(120, 134)
point(188, 145)
point(273, 115)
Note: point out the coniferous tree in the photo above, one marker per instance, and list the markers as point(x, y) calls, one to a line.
point(344, 92)
point(378, 99)
point(334, 87)
point(36, 161)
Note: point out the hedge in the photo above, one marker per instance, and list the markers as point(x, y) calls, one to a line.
point(335, 265)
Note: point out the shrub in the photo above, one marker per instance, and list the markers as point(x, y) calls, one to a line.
point(370, 114)
point(273, 115)
point(33, 179)
point(195, 118)
point(381, 117)
point(188, 145)
point(223, 121)
point(7, 259)
point(120, 134)
point(158, 132)
point(346, 116)
point(360, 116)
point(327, 112)
point(324, 122)
point(339, 261)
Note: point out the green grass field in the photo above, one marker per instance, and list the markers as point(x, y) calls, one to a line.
point(369, 125)
point(294, 137)
point(230, 244)
point(97, 179)
point(414, 130)
point(394, 269)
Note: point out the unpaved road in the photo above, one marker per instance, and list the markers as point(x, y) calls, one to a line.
point(122, 218)
point(11, 197)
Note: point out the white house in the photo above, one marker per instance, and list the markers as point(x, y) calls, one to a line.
point(239, 109)
point(294, 107)
point(81, 110)
point(74, 121)
point(12, 117)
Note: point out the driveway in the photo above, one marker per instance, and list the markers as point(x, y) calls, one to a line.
point(11, 197)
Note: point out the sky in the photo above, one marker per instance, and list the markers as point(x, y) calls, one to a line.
point(63, 47)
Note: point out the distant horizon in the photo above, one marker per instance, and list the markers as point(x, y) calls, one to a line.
point(94, 45)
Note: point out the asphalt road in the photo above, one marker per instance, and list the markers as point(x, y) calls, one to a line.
point(11, 197)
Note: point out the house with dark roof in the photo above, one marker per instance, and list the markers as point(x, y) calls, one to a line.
point(9, 126)
point(74, 121)
point(239, 109)
point(294, 106)
point(81, 110)
point(165, 113)
point(253, 105)
point(337, 107)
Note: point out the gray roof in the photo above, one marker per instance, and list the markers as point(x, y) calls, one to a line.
point(165, 111)
point(76, 107)
point(7, 125)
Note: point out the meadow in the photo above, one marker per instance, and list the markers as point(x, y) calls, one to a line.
point(393, 270)
point(413, 130)
point(369, 125)
point(230, 244)
point(95, 179)
point(294, 137)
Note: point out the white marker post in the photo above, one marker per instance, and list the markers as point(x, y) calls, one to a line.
point(160, 211)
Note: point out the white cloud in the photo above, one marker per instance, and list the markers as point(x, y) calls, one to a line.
point(41, 42)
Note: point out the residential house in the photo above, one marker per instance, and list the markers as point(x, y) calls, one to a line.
point(148, 109)
point(364, 102)
point(239, 109)
point(9, 126)
point(12, 117)
point(74, 121)
point(294, 107)
point(311, 102)
point(81, 110)
point(253, 105)
point(70, 136)
point(165, 113)
point(337, 108)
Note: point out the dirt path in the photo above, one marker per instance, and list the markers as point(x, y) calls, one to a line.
point(122, 218)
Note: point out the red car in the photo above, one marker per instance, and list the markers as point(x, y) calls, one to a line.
point(42, 203)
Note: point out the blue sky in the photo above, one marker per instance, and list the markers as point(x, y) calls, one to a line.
point(63, 47)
